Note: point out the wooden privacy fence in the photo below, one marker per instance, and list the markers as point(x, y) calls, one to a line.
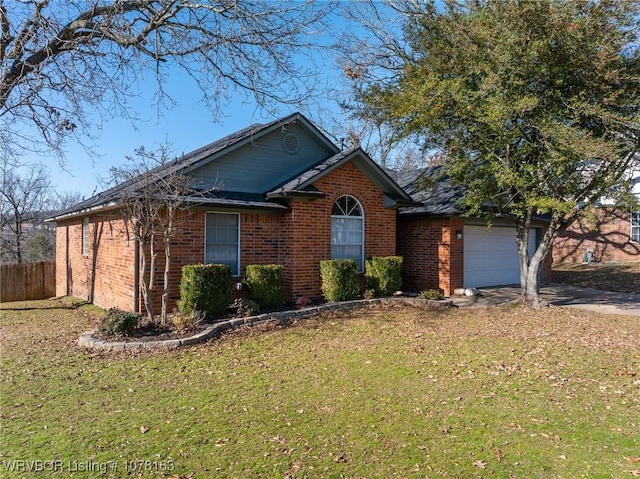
point(20, 282)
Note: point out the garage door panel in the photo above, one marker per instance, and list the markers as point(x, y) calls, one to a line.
point(491, 256)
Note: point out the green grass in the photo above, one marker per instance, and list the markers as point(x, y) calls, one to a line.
point(376, 393)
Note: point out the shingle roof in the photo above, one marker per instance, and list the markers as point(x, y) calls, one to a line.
point(435, 192)
point(302, 184)
point(237, 199)
point(111, 196)
point(299, 185)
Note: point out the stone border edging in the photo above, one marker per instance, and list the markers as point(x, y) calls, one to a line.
point(87, 340)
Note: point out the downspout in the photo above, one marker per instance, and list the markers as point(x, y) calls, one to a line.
point(67, 263)
point(136, 277)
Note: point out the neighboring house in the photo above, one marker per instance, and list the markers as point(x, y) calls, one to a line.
point(287, 195)
point(609, 232)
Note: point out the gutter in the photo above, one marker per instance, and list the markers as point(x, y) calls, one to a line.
point(105, 206)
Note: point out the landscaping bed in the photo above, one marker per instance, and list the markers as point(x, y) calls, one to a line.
point(152, 335)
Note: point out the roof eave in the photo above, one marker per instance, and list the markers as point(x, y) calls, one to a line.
point(384, 177)
point(111, 205)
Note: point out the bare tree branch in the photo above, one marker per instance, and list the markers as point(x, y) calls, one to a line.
point(23, 201)
point(64, 64)
point(152, 203)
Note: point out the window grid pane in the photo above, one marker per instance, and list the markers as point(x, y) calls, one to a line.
point(222, 240)
point(347, 228)
point(635, 226)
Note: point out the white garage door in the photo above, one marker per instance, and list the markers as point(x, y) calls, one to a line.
point(491, 256)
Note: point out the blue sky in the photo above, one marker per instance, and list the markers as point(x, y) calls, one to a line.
point(186, 126)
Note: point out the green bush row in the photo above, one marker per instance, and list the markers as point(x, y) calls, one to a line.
point(207, 288)
point(383, 275)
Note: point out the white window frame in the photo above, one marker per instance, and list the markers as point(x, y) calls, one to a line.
point(634, 226)
point(361, 218)
point(85, 236)
point(206, 242)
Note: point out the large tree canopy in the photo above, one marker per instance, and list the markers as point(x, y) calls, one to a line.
point(534, 104)
point(64, 64)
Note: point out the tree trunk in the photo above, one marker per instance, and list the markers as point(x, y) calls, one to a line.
point(530, 267)
point(146, 296)
point(531, 290)
point(167, 266)
point(522, 241)
point(18, 238)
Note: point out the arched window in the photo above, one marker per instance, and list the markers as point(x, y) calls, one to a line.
point(347, 230)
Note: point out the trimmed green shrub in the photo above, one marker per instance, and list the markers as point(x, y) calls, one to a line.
point(206, 288)
point(265, 284)
point(339, 279)
point(119, 322)
point(384, 274)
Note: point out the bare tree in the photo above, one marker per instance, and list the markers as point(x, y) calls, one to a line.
point(375, 42)
point(152, 196)
point(67, 64)
point(62, 200)
point(40, 240)
point(23, 201)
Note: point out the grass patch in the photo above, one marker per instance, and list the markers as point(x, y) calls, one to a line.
point(619, 277)
point(381, 392)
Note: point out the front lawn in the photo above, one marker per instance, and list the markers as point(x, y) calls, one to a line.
point(375, 393)
point(619, 277)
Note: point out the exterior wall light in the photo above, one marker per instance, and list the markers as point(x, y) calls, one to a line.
point(458, 234)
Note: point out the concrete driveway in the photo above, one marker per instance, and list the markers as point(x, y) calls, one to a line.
point(559, 295)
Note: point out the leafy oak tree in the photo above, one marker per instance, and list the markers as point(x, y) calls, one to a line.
point(67, 65)
point(534, 104)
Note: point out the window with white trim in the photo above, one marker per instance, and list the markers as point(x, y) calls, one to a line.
point(635, 226)
point(85, 236)
point(222, 240)
point(347, 230)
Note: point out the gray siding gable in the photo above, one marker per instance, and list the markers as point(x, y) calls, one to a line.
point(263, 162)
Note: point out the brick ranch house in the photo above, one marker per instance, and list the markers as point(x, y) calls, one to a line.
point(611, 233)
point(287, 195)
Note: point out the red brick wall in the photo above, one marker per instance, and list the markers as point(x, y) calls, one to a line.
point(307, 228)
point(260, 243)
point(298, 239)
point(607, 233)
point(105, 276)
point(433, 257)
